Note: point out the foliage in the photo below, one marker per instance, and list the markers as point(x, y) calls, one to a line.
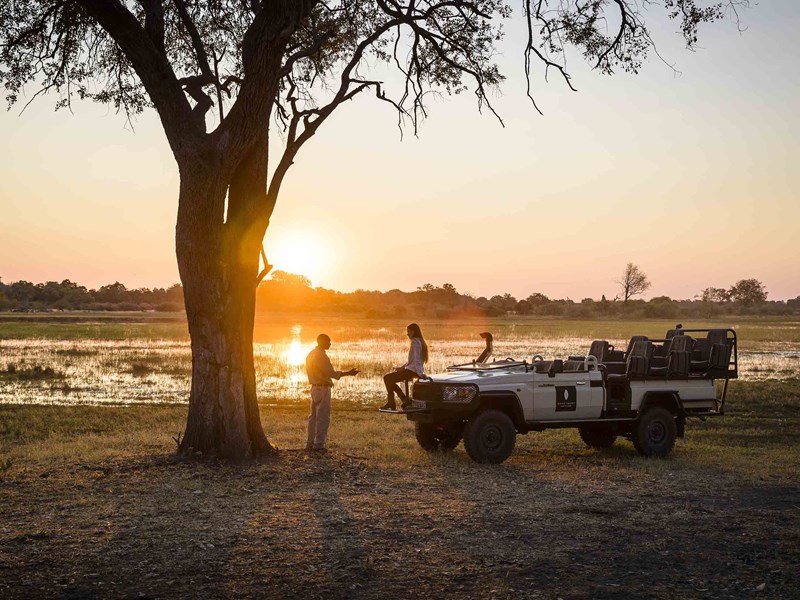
point(300, 60)
point(291, 292)
point(633, 283)
point(283, 278)
point(714, 294)
point(68, 295)
point(748, 292)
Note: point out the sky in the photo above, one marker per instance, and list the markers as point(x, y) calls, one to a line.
point(692, 175)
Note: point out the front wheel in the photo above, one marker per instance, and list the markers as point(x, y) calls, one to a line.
point(655, 432)
point(436, 438)
point(489, 437)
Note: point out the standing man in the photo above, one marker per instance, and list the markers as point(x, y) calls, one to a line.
point(321, 375)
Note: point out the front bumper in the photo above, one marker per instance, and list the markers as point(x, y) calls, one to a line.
point(434, 396)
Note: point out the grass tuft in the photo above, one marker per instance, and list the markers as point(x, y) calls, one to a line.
point(34, 373)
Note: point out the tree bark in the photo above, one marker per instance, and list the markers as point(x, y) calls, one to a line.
point(218, 264)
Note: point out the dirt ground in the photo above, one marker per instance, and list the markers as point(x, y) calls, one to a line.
point(547, 524)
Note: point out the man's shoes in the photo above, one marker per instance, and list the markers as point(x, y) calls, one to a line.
point(320, 450)
point(389, 406)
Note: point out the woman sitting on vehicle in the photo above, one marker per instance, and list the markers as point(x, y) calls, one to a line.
point(417, 357)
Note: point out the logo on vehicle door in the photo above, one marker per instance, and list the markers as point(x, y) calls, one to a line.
point(565, 398)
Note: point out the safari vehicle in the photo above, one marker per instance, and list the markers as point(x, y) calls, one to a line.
point(645, 394)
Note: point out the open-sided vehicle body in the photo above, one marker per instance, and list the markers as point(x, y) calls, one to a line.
point(644, 393)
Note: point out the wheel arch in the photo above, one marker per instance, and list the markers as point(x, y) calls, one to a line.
point(670, 400)
point(507, 402)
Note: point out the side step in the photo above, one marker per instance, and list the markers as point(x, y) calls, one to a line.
point(402, 411)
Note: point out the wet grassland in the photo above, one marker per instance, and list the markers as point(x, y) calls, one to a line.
point(94, 502)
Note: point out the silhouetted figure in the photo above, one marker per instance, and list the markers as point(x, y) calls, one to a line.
point(321, 375)
point(417, 357)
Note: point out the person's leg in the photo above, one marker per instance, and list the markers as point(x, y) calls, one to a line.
point(323, 418)
point(390, 381)
point(312, 419)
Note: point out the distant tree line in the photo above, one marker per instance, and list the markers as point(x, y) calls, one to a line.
point(287, 292)
point(68, 295)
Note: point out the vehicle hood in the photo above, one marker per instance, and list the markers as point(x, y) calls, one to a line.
point(479, 378)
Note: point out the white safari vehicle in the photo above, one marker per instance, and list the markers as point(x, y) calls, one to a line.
point(644, 394)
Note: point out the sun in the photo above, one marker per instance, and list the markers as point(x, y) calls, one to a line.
point(302, 252)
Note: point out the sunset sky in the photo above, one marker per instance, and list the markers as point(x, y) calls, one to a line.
point(694, 177)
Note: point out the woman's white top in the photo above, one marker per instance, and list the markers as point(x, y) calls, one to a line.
point(415, 357)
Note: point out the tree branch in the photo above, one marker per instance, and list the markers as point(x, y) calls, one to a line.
point(154, 24)
point(152, 68)
point(197, 41)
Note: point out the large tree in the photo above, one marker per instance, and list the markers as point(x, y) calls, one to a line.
point(226, 75)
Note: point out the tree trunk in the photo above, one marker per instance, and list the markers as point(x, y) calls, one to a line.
point(218, 266)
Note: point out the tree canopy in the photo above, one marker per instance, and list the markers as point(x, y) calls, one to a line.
point(184, 57)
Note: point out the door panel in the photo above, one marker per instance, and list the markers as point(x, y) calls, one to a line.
point(566, 396)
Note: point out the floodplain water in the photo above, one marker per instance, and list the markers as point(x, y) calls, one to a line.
point(145, 370)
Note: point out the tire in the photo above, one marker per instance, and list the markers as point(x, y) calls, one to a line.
point(436, 438)
point(655, 432)
point(597, 436)
point(489, 437)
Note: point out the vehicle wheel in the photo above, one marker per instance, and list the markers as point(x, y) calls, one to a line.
point(489, 437)
point(436, 438)
point(597, 436)
point(655, 432)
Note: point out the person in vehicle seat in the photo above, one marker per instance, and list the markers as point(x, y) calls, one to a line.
point(417, 357)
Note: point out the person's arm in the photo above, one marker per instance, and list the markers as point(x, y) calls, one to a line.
point(334, 374)
point(329, 370)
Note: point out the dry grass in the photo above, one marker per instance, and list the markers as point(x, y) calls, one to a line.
point(94, 503)
point(759, 438)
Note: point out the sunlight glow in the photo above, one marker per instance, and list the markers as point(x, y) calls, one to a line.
point(302, 252)
point(296, 354)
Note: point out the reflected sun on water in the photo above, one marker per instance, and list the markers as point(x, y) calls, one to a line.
point(295, 354)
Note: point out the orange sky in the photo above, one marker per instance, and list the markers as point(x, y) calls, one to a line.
point(692, 177)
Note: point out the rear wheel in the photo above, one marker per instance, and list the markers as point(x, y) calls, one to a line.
point(436, 438)
point(597, 436)
point(655, 432)
point(489, 437)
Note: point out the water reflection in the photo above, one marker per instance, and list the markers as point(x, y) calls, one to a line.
point(159, 371)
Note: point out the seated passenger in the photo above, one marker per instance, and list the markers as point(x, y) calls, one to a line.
point(414, 367)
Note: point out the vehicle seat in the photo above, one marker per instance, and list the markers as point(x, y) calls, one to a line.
point(574, 365)
point(678, 358)
point(671, 333)
point(557, 366)
point(616, 360)
point(634, 340)
point(599, 349)
point(638, 362)
point(542, 366)
point(714, 353)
